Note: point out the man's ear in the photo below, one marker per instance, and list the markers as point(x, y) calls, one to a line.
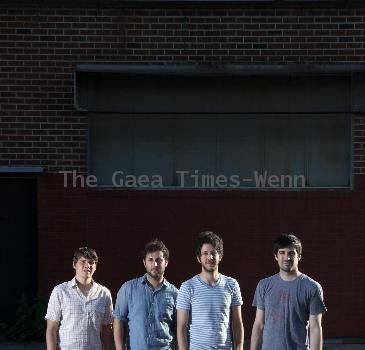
point(144, 262)
point(199, 260)
point(276, 257)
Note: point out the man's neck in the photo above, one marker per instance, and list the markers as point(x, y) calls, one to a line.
point(84, 284)
point(154, 283)
point(289, 276)
point(210, 277)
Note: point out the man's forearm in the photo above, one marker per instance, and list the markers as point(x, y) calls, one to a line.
point(52, 334)
point(238, 337)
point(51, 340)
point(118, 331)
point(182, 338)
point(316, 338)
point(107, 337)
point(256, 338)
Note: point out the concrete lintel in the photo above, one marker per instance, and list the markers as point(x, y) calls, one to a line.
point(184, 3)
point(21, 169)
point(231, 69)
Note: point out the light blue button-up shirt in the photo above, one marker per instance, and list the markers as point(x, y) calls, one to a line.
point(150, 314)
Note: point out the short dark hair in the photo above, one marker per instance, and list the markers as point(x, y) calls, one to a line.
point(287, 240)
point(154, 246)
point(85, 252)
point(208, 237)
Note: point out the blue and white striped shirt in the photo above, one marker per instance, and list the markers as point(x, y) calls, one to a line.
point(209, 307)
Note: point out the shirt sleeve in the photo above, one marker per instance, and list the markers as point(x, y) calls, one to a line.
point(108, 315)
point(236, 294)
point(317, 306)
point(121, 304)
point(258, 299)
point(54, 310)
point(184, 298)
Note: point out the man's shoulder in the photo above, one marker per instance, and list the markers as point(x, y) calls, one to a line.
point(102, 288)
point(268, 280)
point(310, 282)
point(171, 287)
point(228, 279)
point(62, 286)
point(191, 282)
point(133, 283)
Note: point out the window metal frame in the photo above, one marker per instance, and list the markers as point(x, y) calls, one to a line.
point(357, 103)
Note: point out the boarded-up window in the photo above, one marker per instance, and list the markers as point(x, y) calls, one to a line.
point(179, 148)
point(221, 132)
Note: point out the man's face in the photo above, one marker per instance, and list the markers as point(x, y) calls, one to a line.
point(84, 267)
point(287, 259)
point(209, 258)
point(155, 264)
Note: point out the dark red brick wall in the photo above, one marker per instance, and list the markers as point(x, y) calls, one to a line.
point(118, 223)
point(39, 49)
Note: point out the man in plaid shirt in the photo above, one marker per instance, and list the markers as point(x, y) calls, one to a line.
point(79, 314)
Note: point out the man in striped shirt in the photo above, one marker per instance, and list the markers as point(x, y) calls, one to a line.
point(209, 304)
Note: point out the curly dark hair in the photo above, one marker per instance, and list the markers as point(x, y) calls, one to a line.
point(154, 246)
point(208, 237)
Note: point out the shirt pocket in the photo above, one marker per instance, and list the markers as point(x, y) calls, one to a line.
point(73, 315)
point(97, 311)
point(166, 309)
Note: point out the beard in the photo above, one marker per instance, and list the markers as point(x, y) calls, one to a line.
point(286, 268)
point(156, 275)
point(209, 268)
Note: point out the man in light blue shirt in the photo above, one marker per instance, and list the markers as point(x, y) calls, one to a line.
point(147, 305)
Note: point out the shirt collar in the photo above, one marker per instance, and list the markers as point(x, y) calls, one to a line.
point(72, 284)
point(144, 281)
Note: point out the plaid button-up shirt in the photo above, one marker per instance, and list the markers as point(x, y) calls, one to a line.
point(81, 318)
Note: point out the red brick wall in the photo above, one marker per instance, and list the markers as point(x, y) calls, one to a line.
point(39, 49)
point(118, 223)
